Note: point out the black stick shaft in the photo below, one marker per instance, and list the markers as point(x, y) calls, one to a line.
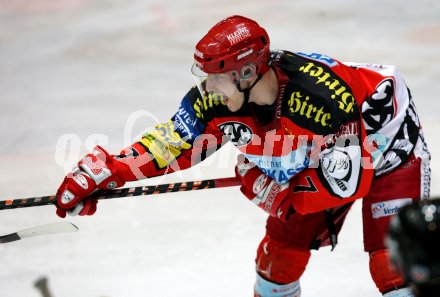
point(128, 192)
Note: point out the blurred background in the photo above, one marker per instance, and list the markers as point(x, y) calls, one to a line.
point(74, 73)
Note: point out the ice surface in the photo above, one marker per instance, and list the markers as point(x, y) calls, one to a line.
point(84, 67)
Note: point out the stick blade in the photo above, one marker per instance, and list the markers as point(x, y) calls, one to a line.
point(52, 228)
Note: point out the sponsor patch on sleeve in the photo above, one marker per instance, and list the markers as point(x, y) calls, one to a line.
point(320, 58)
point(165, 144)
point(185, 121)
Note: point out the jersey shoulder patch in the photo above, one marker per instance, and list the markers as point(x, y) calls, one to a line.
point(330, 62)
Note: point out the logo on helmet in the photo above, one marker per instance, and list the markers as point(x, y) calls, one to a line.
point(245, 54)
point(238, 36)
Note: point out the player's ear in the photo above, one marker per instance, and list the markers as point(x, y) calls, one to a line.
point(248, 71)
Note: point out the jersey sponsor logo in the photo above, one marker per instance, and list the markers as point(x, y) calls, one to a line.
point(345, 130)
point(320, 58)
point(388, 208)
point(283, 168)
point(238, 133)
point(339, 93)
point(202, 105)
point(379, 109)
point(303, 106)
point(185, 123)
point(238, 36)
point(340, 167)
point(165, 144)
point(426, 180)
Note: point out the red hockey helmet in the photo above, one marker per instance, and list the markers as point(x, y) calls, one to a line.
point(231, 44)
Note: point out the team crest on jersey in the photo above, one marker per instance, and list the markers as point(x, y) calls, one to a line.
point(238, 133)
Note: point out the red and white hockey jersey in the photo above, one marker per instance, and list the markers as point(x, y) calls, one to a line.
point(332, 128)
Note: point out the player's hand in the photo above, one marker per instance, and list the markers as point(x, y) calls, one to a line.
point(262, 190)
point(94, 171)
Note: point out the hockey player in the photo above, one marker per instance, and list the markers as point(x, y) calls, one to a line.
point(414, 243)
point(315, 135)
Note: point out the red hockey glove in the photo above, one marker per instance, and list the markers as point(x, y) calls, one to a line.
point(263, 190)
point(94, 171)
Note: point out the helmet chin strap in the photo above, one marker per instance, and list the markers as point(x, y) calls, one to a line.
point(247, 91)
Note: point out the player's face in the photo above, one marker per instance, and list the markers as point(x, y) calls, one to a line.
point(221, 83)
point(224, 85)
point(220, 86)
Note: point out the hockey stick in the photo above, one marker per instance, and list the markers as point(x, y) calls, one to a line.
point(53, 228)
point(129, 192)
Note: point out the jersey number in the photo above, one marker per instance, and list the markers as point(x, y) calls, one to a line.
point(310, 187)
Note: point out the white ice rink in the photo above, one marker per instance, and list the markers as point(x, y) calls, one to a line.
point(85, 69)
